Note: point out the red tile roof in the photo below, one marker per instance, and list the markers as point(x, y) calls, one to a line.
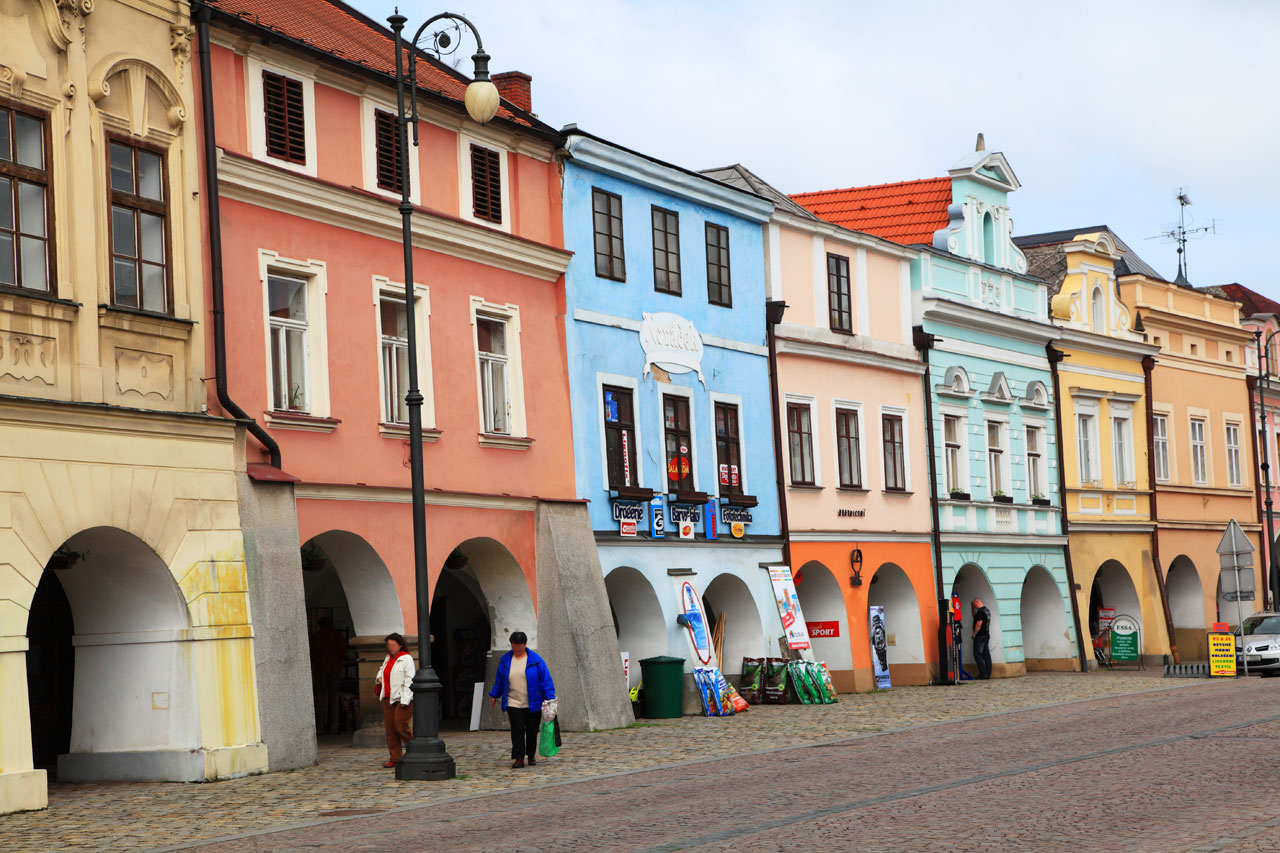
point(337, 29)
point(1251, 302)
point(907, 212)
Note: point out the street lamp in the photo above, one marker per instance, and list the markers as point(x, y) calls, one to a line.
point(425, 758)
point(1264, 380)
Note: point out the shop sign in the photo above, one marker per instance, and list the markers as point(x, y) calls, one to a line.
point(879, 647)
point(729, 514)
point(627, 528)
point(851, 513)
point(672, 343)
point(1124, 638)
point(738, 529)
point(1105, 615)
point(710, 528)
point(824, 630)
point(1222, 654)
point(658, 517)
point(784, 593)
point(627, 511)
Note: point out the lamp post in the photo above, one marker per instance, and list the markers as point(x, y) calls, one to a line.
point(425, 758)
point(1264, 381)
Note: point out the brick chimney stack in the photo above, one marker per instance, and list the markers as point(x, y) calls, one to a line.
point(515, 86)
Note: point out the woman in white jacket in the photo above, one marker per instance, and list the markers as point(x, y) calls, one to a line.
point(394, 677)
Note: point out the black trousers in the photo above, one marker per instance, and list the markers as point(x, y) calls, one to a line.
point(982, 655)
point(524, 732)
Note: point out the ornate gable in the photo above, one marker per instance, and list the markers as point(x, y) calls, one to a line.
point(979, 226)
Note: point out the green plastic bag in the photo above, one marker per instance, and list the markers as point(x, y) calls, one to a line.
point(547, 739)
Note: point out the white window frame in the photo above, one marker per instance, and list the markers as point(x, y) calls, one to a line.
point(815, 438)
point(257, 113)
point(1235, 470)
point(906, 449)
point(963, 480)
point(1160, 445)
point(1089, 434)
point(383, 286)
point(729, 400)
point(1123, 466)
point(857, 409)
point(317, 344)
point(1005, 461)
point(369, 105)
point(509, 313)
point(1040, 463)
point(1203, 446)
point(466, 201)
point(667, 389)
point(633, 385)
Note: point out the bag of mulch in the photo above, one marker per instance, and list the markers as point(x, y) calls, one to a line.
point(708, 692)
point(752, 682)
point(828, 686)
point(724, 691)
point(813, 674)
point(800, 686)
point(729, 695)
point(775, 681)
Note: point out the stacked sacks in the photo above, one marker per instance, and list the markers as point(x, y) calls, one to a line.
point(811, 682)
point(775, 681)
point(719, 698)
point(752, 682)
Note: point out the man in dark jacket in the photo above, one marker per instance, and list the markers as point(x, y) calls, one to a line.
point(328, 656)
point(982, 639)
point(523, 682)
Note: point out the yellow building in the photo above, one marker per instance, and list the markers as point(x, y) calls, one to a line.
point(1102, 394)
point(126, 650)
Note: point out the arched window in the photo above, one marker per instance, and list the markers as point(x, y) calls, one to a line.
point(988, 239)
point(1098, 310)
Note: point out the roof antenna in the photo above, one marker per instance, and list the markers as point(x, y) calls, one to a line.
point(1180, 233)
point(982, 144)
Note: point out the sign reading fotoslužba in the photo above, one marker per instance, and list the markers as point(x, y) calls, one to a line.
point(672, 343)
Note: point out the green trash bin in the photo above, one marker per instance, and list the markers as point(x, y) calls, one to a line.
point(663, 692)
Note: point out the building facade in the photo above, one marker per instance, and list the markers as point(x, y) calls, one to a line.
point(983, 332)
point(126, 633)
point(669, 382)
point(852, 426)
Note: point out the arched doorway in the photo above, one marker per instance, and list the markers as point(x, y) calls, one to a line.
point(970, 583)
point(728, 600)
point(1186, 606)
point(1113, 589)
point(822, 602)
point(637, 617)
point(480, 598)
point(1046, 640)
point(891, 589)
point(108, 636)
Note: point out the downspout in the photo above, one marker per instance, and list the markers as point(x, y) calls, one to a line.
point(1148, 364)
point(215, 241)
point(773, 310)
point(1251, 383)
point(924, 342)
point(1056, 355)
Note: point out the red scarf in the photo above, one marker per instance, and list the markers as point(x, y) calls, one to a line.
point(386, 674)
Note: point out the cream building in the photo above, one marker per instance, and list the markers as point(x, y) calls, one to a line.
point(126, 646)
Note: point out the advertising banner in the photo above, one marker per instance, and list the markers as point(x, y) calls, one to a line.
point(709, 520)
point(823, 630)
point(658, 517)
point(1222, 655)
point(695, 622)
point(628, 515)
point(784, 592)
point(1124, 639)
point(879, 647)
point(737, 518)
point(685, 518)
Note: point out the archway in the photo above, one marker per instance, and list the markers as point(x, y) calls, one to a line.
point(891, 588)
point(637, 617)
point(970, 583)
point(1045, 636)
point(1113, 589)
point(822, 602)
point(123, 679)
point(727, 598)
point(480, 598)
point(1186, 606)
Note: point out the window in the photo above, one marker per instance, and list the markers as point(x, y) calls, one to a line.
point(606, 210)
point(1233, 454)
point(666, 251)
point(1122, 449)
point(679, 438)
point(718, 292)
point(25, 256)
point(838, 299)
point(486, 184)
point(394, 321)
point(287, 310)
point(285, 121)
point(1160, 439)
point(139, 271)
point(995, 458)
point(1086, 444)
point(800, 438)
point(491, 339)
point(1035, 462)
point(387, 139)
point(895, 459)
point(1098, 311)
point(849, 448)
point(620, 437)
point(728, 449)
point(952, 431)
point(1199, 466)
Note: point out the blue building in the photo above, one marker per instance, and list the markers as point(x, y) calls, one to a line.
point(669, 387)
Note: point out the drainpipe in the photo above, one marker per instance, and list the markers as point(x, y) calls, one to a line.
point(215, 242)
point(1148, 363)
point(1251, 384)
point(1056, 355)
point(773, 310)
point(924, 342)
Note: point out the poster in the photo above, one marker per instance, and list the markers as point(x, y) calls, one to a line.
point(784, 592)
point(1222, 655)
point(626, 670)
point(695, 622)
point(879, 647)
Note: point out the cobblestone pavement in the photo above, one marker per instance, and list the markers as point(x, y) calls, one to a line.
point(890, 781)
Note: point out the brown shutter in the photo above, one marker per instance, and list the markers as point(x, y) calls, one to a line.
point(286, 123)
point(388, 141)
point(486, 184)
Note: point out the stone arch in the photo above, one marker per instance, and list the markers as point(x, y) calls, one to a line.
point(727, 596)
point(492, 572)
point(362, 578)
point(637, 617)
point(956, 380)
point(1186, 607)
point(970, 583)
point(1113, 588)
point(1045, 634)
point(822, 600)
point(891, 588)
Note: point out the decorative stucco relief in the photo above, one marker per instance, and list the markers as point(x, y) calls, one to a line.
point(144, 373)
point(29, 358)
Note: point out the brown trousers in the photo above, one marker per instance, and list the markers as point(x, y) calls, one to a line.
point(397, 719)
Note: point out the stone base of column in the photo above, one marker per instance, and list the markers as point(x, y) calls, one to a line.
point(23, 791)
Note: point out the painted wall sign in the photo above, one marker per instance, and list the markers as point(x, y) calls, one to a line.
point(672, 343)
point(784, 593)
point(824, 630)
point(851, 513)
point(658, 517)
point(879, 647)
point(695, 622)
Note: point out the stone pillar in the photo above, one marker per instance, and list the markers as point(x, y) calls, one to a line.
point(21, 787)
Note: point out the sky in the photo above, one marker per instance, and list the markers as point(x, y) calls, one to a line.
point(1103, 109)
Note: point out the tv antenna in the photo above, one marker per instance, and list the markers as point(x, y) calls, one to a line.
point(1180, 233)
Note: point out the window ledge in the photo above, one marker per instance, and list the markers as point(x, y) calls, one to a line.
point(745, 501)
point(131, 319)
point(803, 487)
point(300, 421)
point(853, 490)
point(688, 497)
point(631, 493)
point(401, 431)
point(504, 442)
point(897, 492)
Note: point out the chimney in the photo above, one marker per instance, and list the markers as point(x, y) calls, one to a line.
point(514, 86)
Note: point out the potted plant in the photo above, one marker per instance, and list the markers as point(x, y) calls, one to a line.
point(1039, 499)
point(1001, 498)
point(312, 557)
point(456, 560)
point(65, 558)
point(959, 495)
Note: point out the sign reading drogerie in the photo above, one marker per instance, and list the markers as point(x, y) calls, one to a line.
point(672, 343)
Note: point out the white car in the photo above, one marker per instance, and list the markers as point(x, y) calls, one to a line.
point(1261, 642)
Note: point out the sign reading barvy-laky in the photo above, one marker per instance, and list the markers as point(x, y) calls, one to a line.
point(672, 343)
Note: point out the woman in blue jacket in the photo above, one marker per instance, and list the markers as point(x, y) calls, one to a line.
point(522, 683)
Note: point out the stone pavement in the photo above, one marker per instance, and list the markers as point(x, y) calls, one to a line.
point(159, 815)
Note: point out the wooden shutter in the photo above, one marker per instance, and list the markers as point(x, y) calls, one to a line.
point(286, 127)
point(486, 184)
point(387, 135)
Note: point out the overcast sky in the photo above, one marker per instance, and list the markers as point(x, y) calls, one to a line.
point(1103, 109)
